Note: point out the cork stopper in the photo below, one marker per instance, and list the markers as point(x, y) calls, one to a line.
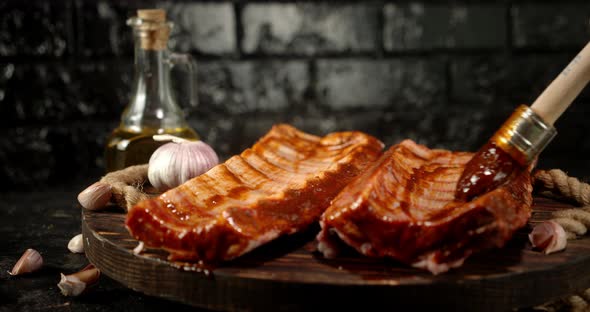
point(152, 15)
point(154, 31)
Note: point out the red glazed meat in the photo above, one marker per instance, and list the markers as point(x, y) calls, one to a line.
point(279, 186)
point(403, 207)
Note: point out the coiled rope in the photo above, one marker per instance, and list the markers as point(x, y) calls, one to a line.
point(575, 221)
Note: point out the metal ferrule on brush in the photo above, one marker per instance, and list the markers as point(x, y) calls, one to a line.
point(524, 135)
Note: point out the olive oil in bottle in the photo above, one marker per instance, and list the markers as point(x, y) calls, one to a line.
point(152, 109)
point(127, 148)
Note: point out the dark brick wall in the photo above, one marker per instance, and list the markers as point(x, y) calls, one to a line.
point(444, 73)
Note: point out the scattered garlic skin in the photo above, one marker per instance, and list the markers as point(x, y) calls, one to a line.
point(96, 196)
point(71, 285)
point(76, 244)
point(179, 161)
point(29, 262)
point(76, 283)
point(548, 237)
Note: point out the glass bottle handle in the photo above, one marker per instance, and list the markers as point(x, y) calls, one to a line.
point(188, 61)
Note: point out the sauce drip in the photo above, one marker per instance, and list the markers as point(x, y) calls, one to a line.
point(489, 168)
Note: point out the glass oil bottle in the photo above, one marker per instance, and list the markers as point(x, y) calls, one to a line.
point(153, 109)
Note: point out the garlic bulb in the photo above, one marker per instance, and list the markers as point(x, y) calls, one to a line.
point(179, 161)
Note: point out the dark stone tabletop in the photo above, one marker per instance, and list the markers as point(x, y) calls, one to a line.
point(46, 220)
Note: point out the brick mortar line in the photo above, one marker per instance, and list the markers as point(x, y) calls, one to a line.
point(54, 124)
point(249, 115)
point(319, 2)
point(238, 8)
point(544, 2)
point(448, 80)
point(40, 60)
point(509, 28)
point(312, 70)
point(380, 33)
point(71, 20)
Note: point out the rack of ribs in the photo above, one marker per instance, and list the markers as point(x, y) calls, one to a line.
point(403, 207)
point(279, 186)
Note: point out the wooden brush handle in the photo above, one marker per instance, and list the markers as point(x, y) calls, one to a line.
point(565, 88)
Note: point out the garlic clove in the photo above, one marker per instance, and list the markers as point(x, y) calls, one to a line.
point(548, 237)
point(76, 244)
point(76, 283)
point(96, 196)
point(559, 241)
point(29, 262)
point(540, 236)
point(139, 248)
point(71, 285)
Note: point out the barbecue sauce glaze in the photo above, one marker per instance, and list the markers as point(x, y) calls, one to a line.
point(489, 168)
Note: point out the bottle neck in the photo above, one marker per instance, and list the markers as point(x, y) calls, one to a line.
point(152, 105)
point(152, 76)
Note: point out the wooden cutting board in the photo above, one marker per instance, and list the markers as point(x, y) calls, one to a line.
point(288, 274)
